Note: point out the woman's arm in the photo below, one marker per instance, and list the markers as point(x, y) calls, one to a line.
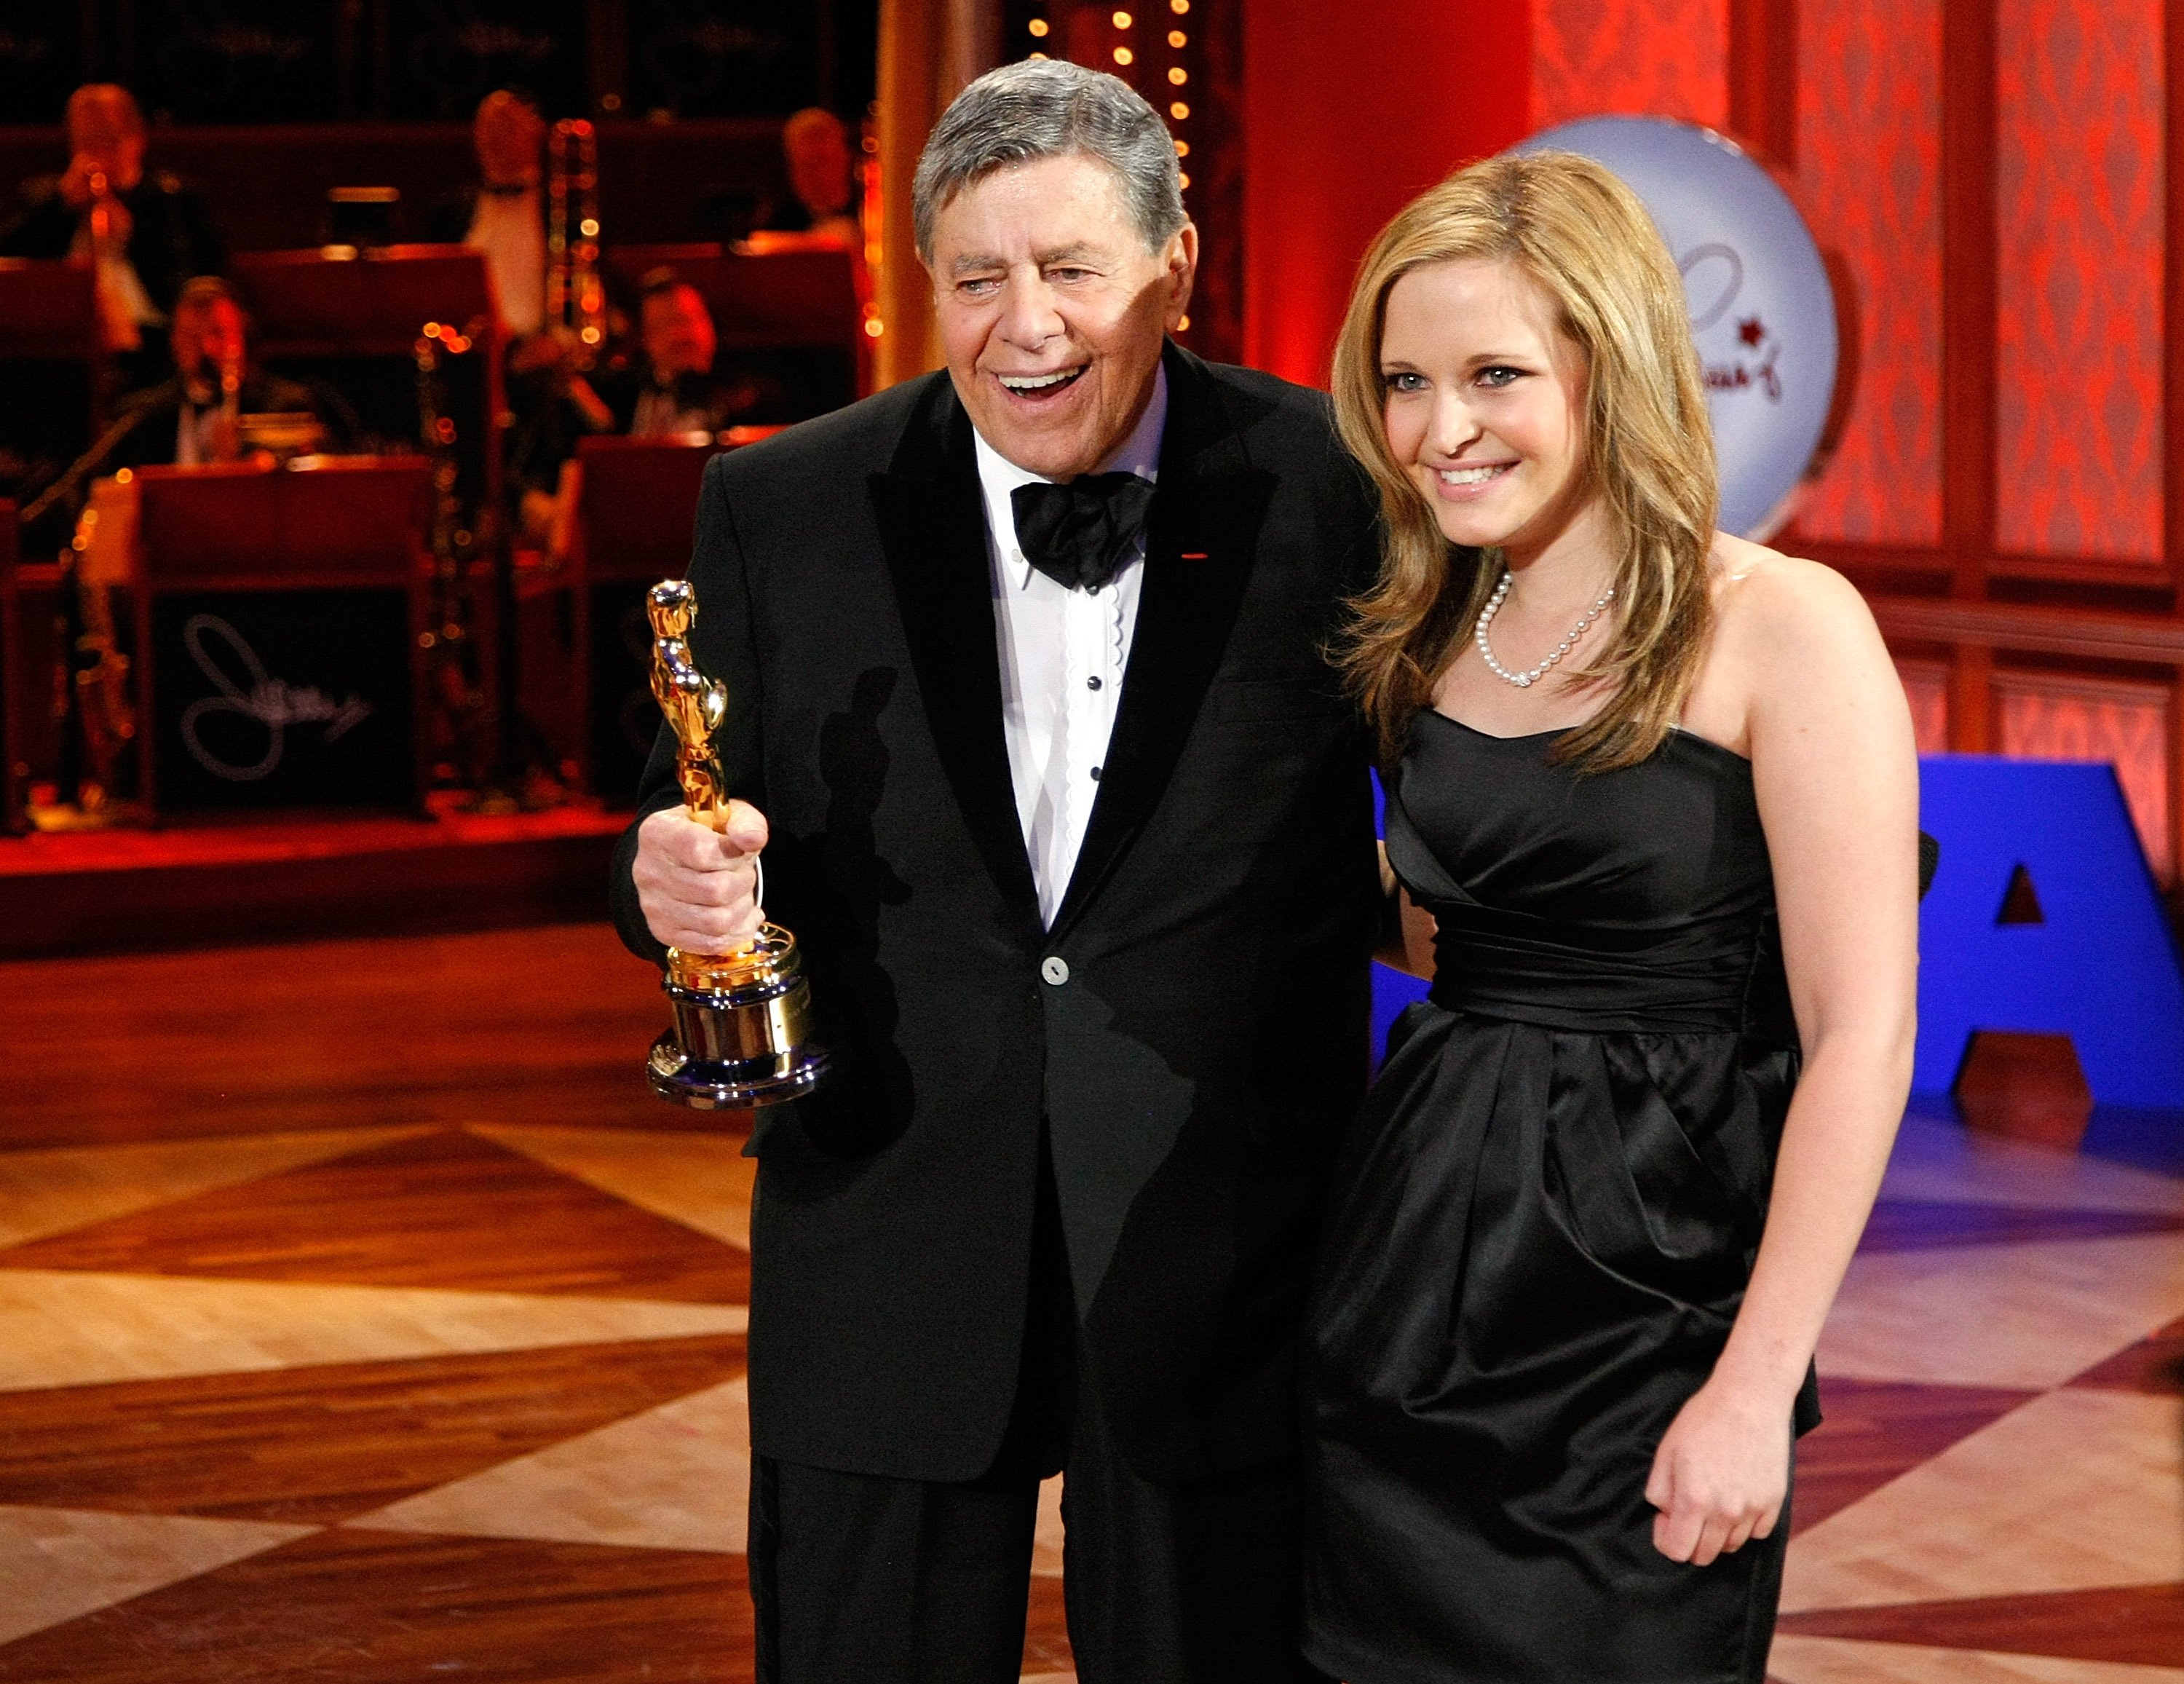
point(1406, 929)
point(1837, 775)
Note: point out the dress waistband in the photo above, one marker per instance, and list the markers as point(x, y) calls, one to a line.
point(1705, 979)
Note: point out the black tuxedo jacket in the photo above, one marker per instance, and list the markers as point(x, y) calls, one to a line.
point(1201, 1041)
point(157, 413)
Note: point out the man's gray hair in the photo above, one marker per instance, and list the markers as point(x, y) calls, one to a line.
point(1049, 108)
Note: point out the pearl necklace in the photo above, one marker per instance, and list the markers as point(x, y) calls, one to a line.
point(1525, 680)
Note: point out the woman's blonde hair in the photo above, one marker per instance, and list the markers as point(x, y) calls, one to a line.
point(1586, 241)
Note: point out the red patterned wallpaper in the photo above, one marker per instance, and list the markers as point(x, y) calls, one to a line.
point(2078, 191)
point(1927, 688)
point(1660, 57)
point(1868, 167)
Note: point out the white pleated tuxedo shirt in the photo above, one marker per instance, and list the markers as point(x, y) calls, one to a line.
point(1063, 652)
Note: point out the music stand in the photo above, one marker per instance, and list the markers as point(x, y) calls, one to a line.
point(800, 299)
point(49, 318)
point(375, 303)
point(337, 301)
point(242, 532)
point(636, 503)
point(48, 310)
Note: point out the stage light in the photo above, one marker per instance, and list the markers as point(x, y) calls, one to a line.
point(1123, 55)
point(1183, 148)
point(1178, 75)
point(1039, 55)
point(1178, 39)
point(1182, 325)
point(1038, 26)
point(1122, 20)
point(1179, 111)
point(1182, 180)
point(1178, 7)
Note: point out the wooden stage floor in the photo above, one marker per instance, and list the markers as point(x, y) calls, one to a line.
point(363, 1317)
point(278, 876)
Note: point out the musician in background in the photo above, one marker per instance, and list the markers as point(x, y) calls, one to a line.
point(672, 385)
point(147, 232)
point(504, 215)
point(551, 403)
point(815, 143)
point(196, 417)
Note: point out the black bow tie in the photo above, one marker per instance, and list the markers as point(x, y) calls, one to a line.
point(1078, 532)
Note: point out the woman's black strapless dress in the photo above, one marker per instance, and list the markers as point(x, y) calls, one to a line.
point(1543, 1223)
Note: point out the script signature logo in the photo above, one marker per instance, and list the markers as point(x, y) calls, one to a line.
point(272, 703)
point(1714, 273)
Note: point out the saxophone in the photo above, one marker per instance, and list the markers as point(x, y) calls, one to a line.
point(105, 708)
point(456, 683)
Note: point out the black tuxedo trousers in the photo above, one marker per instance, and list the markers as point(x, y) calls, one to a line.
point(1185, 1042)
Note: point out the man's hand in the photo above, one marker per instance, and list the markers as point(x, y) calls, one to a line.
point(76, 181)
point(698, 887)
point(1720, 1474)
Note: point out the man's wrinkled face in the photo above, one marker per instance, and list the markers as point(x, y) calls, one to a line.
point(678, 331)
point(1052, 311)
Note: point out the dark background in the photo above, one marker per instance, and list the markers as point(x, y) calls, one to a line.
point(297, 61)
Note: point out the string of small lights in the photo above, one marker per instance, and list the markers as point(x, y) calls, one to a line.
point(1124, 49)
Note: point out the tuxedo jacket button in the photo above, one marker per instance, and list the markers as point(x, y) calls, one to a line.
point(1054, 968)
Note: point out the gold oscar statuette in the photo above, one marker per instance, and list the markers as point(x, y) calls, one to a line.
point(741, 1034)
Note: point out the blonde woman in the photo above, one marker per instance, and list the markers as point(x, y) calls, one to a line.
point(1656, 786)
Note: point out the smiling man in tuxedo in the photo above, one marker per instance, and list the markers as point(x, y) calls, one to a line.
point(1030, 714)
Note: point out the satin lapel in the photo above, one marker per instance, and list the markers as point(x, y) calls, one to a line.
point(1200, 536)
point(933, 531)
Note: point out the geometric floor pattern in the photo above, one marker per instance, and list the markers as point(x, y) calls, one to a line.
point(461, 1392)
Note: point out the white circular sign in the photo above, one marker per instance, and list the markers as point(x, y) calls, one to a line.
point(1763, 309)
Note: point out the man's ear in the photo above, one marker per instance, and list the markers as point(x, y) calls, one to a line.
point(1182, 270)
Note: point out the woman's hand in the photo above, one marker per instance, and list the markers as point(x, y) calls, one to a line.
point(1721, 1474)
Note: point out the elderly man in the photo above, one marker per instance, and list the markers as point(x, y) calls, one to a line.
point(1030, 712)
point(815, 144)
point(146, 231)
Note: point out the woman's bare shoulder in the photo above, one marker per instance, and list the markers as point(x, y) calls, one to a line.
point(1767, 602)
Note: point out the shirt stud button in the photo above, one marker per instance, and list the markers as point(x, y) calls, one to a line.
point(1055, 969)
point(1093, 683)
point(1095, 774)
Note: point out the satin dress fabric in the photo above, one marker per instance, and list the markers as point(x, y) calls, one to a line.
point(1543, 1225)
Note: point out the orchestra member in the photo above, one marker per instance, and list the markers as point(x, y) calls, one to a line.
point(672, 386)
point(815, 143)
point(195, 417)
point(505, 218)
point(504, 215)
point(145, 231)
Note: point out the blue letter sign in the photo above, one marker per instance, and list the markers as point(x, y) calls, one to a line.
point(2084, 951)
